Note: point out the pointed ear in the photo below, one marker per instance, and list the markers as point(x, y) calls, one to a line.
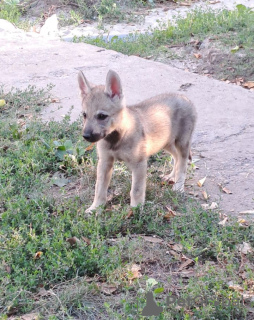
point(113, 85)
point(84, 85)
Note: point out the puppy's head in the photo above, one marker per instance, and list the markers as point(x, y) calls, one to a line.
point(101, 106)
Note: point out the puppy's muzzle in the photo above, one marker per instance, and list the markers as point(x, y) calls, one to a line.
point(91, 137)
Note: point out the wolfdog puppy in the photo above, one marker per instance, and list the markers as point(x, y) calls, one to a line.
point(133, 133)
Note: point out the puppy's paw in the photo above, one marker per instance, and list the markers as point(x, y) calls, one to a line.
point(178, 187)
point(90, 209)
point(95, 209)
point(168, 178)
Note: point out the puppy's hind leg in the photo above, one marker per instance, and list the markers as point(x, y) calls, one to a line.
point(181, 167)
point(174, 152)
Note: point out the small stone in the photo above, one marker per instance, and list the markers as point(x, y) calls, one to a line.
point(50, 28)
point(6, 26)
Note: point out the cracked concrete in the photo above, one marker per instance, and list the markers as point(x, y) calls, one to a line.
point(223, 140)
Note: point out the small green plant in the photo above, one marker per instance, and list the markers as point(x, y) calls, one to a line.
point(10, 11)
point(108, 9)
point(76, 17)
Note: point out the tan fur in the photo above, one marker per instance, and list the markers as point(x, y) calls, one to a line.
point(132, 134)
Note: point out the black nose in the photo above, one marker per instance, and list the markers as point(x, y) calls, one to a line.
point(87, 136)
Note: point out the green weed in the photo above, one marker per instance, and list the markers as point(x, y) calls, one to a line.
point(103, 10)
point(10, 11)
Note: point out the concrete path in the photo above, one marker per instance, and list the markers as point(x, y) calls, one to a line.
point(223, 140)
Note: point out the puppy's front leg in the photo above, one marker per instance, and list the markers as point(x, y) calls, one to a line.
point(104, 173)
point(138, 187)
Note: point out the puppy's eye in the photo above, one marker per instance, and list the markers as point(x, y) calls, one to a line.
point(101, 116)
point(84, 115)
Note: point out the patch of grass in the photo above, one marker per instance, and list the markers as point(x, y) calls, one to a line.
point(104, 10)
point(236, 24)
point(10, 11)
point(54, 258)
point(228, 29)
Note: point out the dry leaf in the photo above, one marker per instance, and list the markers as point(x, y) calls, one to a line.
point(116, 206)
point(235, 286)
point(201, 182)
point(30, 316)
point(243, 223)
point(29, 116)
point(185, 4)
point(55, 100)
point(130, 214)
point(72, 241)
point(193, 193)
point(152, 239)
point(238, 288)
point(226, 190)
point(206, 206)
point(43, 292)
point(223, 222)
point(249, 84)
point(213, 205)
point(197, 55)
point(247, 212)
point(90, 147)
point(175, 254)
point(239, 81)
point(87, 241)
point(188, 262)
point(187, 273)
point(177, 247)
point(38, 255)
point(8, 269)
point(205, 195)
point(107, 288)
point(245, 248)
point(21, 123)
point(170, 214)
point(134, 272)
point(241, 220)
point(235, 49)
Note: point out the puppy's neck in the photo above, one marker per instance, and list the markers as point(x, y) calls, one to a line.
point(125, 127)
point(127, 122)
